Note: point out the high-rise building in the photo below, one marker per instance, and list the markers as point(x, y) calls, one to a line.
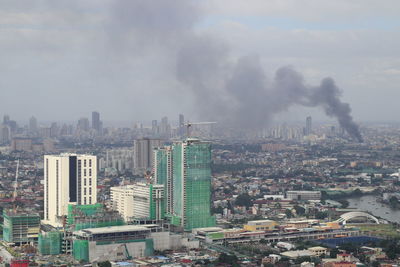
point(96, 121)
point(143, 154)
point(163, 174)
point(308, 126)
point(68, 179)
point(154, 127)
point(192, 183)
point(33, 127)
point(190, 190)
point(5, 134)
point(83, 124)
point(181, 125)
point(6, 119)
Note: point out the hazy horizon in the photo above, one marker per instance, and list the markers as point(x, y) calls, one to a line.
point(62, 60)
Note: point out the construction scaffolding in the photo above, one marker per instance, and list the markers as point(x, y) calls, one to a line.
point(50, 243)
point(20, 227)
point(91, 216)
point(192, 184)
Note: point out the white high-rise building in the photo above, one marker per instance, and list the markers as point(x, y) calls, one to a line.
point(68, 179)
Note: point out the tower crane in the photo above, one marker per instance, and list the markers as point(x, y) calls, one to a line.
point(190, 124)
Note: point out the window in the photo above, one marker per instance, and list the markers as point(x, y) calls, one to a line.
point(90, 200)
point(84, 200)
point(90, 190)
point(84, 191)
point(90, 163)
point(84, 172)
point(90, 172)
point(90, 181)
point(84, 163)
point(84, 182)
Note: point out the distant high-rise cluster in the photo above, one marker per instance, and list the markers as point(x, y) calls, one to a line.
point(143, 154)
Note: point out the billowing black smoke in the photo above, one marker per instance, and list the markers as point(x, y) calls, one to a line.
point(236, 92)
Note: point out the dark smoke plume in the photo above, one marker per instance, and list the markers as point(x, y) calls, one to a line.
point(235, 92)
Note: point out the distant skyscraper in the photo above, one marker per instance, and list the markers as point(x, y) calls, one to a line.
point(6, 119)
point(154, 127)
point(5, 134)
point(68, 179)
point(181, 125)
point(33, 127)
point(165, 128)
point(190, 186)
point(83, 124)
point(143, 154)
point(96, 121)
point(308, 126)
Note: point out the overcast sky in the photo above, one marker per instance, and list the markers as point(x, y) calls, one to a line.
point(60, 60)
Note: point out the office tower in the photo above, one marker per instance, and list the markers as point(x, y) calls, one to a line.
point(143, 154)
point(96, 121)
point(181, 125)
point(308, 126)
point(69, 179)
point(163, 174)
point(83, 124)
point(33, 127)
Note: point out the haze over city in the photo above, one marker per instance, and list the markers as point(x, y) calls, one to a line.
point(127, 58)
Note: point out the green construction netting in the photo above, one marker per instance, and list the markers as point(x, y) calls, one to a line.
point(50, 243)
point(81, 250)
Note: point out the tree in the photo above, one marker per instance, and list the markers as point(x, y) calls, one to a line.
point(288, 213)
point(104, 264)
point(344, 203)
point(321, 215)
point(229, 259)
point(244, 200)
point(299, 210)
point(333, 253)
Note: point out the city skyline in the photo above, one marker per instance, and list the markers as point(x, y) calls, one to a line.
point(338, 41)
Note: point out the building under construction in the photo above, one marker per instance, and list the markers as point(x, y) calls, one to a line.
point(20, 227)
point(79, 217)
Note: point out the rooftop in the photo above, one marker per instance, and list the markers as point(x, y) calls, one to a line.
point(118, 229)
